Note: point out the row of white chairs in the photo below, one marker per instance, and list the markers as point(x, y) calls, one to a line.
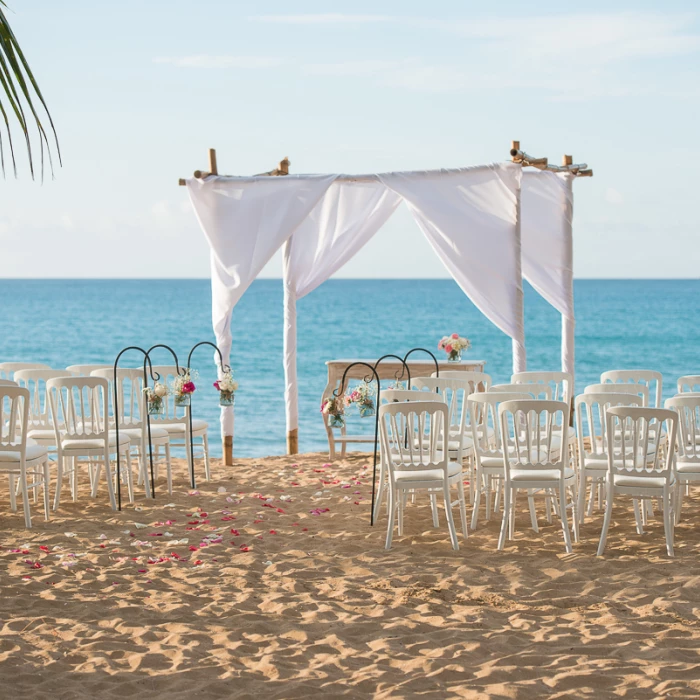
point(67, 418)
point(478, 438)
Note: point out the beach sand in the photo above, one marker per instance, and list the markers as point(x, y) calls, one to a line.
point(294, 596)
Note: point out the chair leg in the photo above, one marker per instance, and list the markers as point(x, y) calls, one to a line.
point(582, 496)
point(533, 512)
point(477, 499)
point(110, 483)
point(511, 515)
point(564, 519)
point(462, 508)
point(638, 516)
point(448, 514)
point(668, 521)
point(487, 496)
point(74, 478)
point(506, 511)
point(25, 500)
point(401, 506)
point(606, 520)
point(380, 494)
point(392, 516)
point(47, 506)
point(205, 447)
point(574, 510)
point(591, 498)
point(129, 476)
point(434, 509)
point(13, 493)
point(680, 488)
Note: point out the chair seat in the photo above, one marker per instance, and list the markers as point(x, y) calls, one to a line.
point(32, 452)
point(688, 467)
point(45, 434)
point(539, 474)
point(453, 469)
point(641, 482)
point(94, 444)
point(134, 434)
point(198, 425)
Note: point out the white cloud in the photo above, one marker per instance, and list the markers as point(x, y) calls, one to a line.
point(207, 61)
point(613, 196)
point(330, 18)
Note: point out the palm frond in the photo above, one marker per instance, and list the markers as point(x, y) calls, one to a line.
point(19, 92)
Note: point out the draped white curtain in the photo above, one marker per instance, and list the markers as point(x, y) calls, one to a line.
point(548, 247)
point(348, 215)
point(470, 217)
point(246, 220)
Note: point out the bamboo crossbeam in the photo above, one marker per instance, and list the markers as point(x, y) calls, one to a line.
point(568, 166)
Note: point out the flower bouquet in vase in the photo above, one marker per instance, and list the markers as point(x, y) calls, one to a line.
point(334, 408)
point(362, 396)
point(155, 398)
point(454, 346)
point(183, 387)
point(226, 386)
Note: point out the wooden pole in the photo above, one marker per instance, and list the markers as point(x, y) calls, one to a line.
point(228, 450)
point(567, 160)
point(213, 170)
point(293, 441)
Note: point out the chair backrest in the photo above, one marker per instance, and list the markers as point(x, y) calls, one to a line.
point(636, 443)
point(610, 388)
point(689, 384)
point(454, 393)
point(14, 415)
point(535, 390)
point(85, 370)
point(167, 373)
point(536, 432)
point(427, 422)
point(34, 380)
point(688, 409)
point(8, 369)
point(393, 395)
point(590, 421)
point(80, 405)
point(478, 381)
point(559, 384)
point(131, 401)
point(652, 380)
point(483, 419)
point(8, 382)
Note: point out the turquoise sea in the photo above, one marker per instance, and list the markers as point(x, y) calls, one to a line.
point(620, 324)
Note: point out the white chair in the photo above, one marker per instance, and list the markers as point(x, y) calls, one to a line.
point(8, 369)
point(478, 381)
point(535, 391)
point(535, 463)
point(632, 389)
point(687, 465)
point(27, 464)
point(560, 385)
point(631, 471)
point(395, 396)
point(488, 448)
point(8, 382)
point(593, 444)
point(420, 463)
point(653, 381)
point(689, 384)
point(85, 370)
point(176, 422)
point(132, 410)
point(81, 405)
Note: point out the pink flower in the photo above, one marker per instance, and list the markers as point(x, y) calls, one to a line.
point(216, 386)
point(455, 336)
point(188, 388)
point(448, 348)
point(440, 347)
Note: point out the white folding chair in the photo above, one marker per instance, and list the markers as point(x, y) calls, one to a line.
point(689, 384)
point(652, 380)
point(132, 410)
point(81, 405)
point(632, 470)
point(535, 431)
point(478, 381)
point(26, 464)
point(175, 421)
point(559, 385)
point(593, 444)
point(419, 463)
point(85, 370)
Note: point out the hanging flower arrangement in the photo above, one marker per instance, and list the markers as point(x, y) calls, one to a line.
point(363, 397)
point(334, 408)
point(454, 345)
point(155, 398)
point(227, 387)
point(183, 387)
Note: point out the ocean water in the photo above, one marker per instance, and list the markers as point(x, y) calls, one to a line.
point(620, 324)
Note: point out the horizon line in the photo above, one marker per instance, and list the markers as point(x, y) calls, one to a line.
point(336, 279)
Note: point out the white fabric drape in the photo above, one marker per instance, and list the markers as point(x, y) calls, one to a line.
point(547, 247)
point(246, 220)
point(346, 218)
point(470, 217)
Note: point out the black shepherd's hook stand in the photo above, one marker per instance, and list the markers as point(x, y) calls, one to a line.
point(437, 366)
point(155, 377)
point(116, 415)
point(224, 368)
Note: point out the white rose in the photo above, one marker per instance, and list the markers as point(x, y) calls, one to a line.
point(160, 390)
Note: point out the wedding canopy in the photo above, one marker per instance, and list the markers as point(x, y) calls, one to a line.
point(489, 225)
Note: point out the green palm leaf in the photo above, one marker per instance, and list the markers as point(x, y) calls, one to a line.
point(21, 91)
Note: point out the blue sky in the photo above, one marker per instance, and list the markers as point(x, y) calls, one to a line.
point(140, 90)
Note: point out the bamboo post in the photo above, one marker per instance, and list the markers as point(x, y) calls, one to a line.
point(567, 160)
